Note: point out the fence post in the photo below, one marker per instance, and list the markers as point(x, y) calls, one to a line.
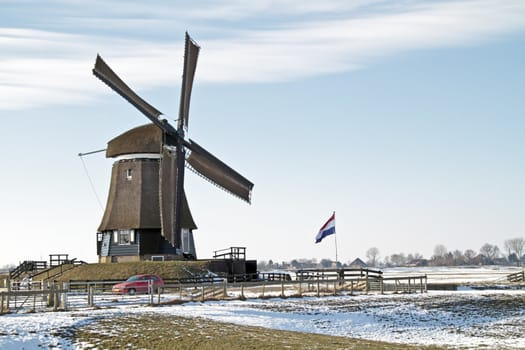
point(150, 291)
point(335, 287)
point(351, 287)
point(300, 289)
point(90, 295)
point(64, 300)
point(66, 289)
point(282, 288)
point(55, 298)
point(318, 287)
point(8, 291)
point(49, 295)
point(2, 303)
point(242, 290)
point(45, 286)
point(263, 288)
point(382, 286)
point(202, 292)
point(225, 289)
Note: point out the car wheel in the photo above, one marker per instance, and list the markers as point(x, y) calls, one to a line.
point(132, 291)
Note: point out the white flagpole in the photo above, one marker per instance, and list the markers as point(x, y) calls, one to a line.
point(335, 240)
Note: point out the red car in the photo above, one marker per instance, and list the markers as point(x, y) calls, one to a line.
point(138, 284)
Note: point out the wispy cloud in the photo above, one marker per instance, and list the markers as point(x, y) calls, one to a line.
point(41, 67)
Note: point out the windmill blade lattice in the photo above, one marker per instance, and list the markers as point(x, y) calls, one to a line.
point(213, 169)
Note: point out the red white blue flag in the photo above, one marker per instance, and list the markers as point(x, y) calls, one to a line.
point(327, 229)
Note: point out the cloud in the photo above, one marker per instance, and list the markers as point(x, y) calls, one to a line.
point(42, 67)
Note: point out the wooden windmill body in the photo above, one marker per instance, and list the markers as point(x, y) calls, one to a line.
point(147, 213)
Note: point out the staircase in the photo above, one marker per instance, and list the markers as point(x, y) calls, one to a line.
point(27, 267)
point(58, 264)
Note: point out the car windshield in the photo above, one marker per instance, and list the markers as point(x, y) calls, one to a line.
point(133, 278)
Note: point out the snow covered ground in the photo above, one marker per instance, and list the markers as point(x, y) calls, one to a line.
point(469, 318)
point(459, 275)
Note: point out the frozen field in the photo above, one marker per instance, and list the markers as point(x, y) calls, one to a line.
point(473, 319)
point(470, 319)
point(484, 275)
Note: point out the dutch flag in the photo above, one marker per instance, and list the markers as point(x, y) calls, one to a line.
point(327, 229)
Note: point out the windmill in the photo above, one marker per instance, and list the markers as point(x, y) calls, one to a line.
point(173, 154)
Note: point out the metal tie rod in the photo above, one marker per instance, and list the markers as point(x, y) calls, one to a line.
point(92, 152)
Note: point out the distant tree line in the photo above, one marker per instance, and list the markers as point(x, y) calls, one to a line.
point(298, 264)
point(488, 254)
point(513, 253)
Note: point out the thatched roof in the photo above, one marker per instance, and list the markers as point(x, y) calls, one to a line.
point(142, 139)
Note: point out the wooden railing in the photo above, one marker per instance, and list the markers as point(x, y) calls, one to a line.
point(274, 276)
point(235, 253)
point(342, 273)
point(27, 266)
point(516, 277)
point(57, 270)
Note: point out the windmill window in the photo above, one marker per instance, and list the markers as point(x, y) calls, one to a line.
point(129, 174)
point(124, 237)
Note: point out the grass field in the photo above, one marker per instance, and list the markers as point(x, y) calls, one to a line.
point(121, 271)
point(164, 332)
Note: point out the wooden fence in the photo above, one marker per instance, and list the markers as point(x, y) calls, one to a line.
point(516, 277)
point(77, 295)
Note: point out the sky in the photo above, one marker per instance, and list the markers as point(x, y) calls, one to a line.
point(405, 118)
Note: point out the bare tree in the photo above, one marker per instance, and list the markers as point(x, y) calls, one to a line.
point(440, 251)
point(516, 246)
point(440, 256)
point(489, 251)
point(458, 257)
point(414, 258)
point(326, 263)
point(418, 256)
point(469, 255)
point(398, 259)
point(373, 255)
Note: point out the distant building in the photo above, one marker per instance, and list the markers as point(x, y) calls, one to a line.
point(358, 263)
point(418, 263)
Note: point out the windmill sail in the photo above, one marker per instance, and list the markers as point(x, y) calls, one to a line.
point(213, 169)
point(108, 76)
point(191, 53)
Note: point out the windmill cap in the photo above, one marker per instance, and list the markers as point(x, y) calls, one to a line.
point(142, 139)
